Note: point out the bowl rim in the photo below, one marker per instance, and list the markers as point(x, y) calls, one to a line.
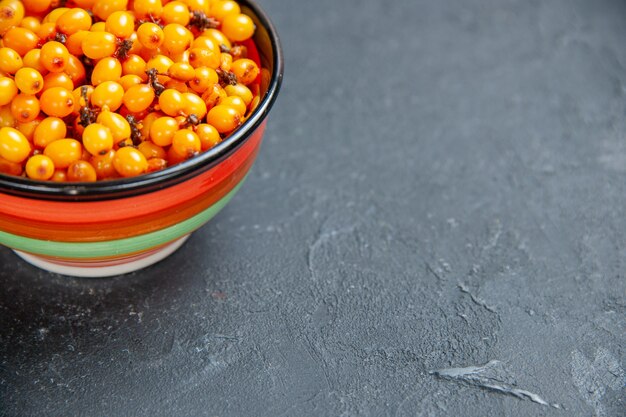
point(128, 187)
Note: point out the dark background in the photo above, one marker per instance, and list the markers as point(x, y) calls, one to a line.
point(441, 185)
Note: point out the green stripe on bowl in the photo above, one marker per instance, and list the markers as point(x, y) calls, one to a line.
point(73, 250)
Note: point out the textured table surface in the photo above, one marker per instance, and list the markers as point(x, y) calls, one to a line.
point(442, 186)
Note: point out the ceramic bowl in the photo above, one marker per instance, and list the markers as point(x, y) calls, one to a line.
point(118, 226)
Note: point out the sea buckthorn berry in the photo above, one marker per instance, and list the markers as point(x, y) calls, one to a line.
point(200, 5)
point(138, 98)
point(246, 70)
point(31, 60)
point(60, 175)
point(156, 164)
point(150, 150)
point(177, 38)
point(25, 108)
point(11, 14)
point(97, 139)
point(121, 24)
point(203, 79)
point(54, 56)
point(47, 31)
point(240, 90)
point(186, 142)
point(177, 85)
point(37, 6)
point(214, 95)
point(76, 70)
point(238, 27)
point(30, 23)
point(236, 103)
point(161, 63)
point(85, 4)
point(208, 135)
point(176, 12)
point(8, 90)
point(116, 123)
point(135, 65)
point(81, 171)
point(74, 42)
point(73, 20)
point(193, 104)
point(105, 8)
point(129, 162)
point(129, 80)
point(6, 117)
point(57, 79)
point(54, 15)
point(218, 37)
point(98, 27)
point(57, 101)
point(200, 57)
point(28, 80)
point(150, 35)
point(63, 152)
point(28, 128)
point(224, 118)
point(148, 9)
point(14, 146)
point(205, 42)
point(146, 123)
point(107, 69)
point(109, 93)
point(21, 40)
point(171, 102)
point(97, 45)
point(174, 157)
point(221, 9)
point(10, 61)
point(162, 131)
point(39, 167)
point(103, 165)
point(181, 71)
point(11, 168)
point(49, 130)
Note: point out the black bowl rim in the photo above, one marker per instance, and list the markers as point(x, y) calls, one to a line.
point(127, 187)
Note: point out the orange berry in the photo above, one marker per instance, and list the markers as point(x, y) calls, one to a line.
point(14, 146)
point(130, 80)
point(11, 14)
point(221, 9)
point(10, 61)
point(238, 27)
point(150, 150)
point(73, 20)
point(192, 104)
point(148, 9)
point(138, 98)
point(246, 70)
point(6, 117)
point(63, 152)
point(81, 171)
point(57, 101)
point(54, 15)
point(21, 40)
point(47, 31)
point(171, 102)
point(150, 35)
point(39, 167)
point(135, 65)
point(121, 24)
point(129, 162)
point(240, 90)
point(109, 93)
point(31, 60)
point(97, 139)
point(25, 108)
point(177, 38)
point(224, 118)
point(176, 12)
point(161, 63)
point(116, 123)
point(60, 175)
point(37, 6)
point(203, 79)
point(57, 79)
point(28, 128)
point(103, 165)
point(181, 71)
point(76, 70)
point(29, 81)
point(105, 8)
point(8, 90)
point(107, 69)
point(54, 56)
point(49, 130)
point(218, 37)
point(236, 103)
point(200, 57)
point(186, 142)
point(74, 42)
point(156, 164)
point(162, 131)
point(208, 135)
point(97, 45)
point(146, 123)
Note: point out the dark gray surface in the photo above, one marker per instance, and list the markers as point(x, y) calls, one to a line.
point(442, 185)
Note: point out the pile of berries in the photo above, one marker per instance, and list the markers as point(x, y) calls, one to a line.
point(102, 89)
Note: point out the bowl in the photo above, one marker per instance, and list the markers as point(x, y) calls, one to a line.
point(114, 227)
